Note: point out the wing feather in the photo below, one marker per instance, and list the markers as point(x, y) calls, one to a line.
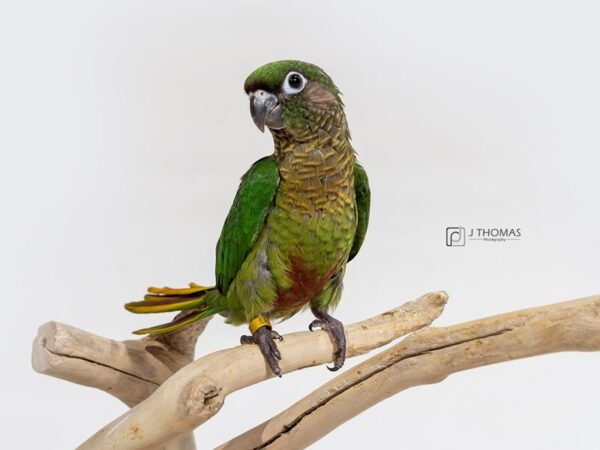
point(246, 219)
point(363, 205)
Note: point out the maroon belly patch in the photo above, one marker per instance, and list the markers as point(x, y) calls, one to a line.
point(306, 285)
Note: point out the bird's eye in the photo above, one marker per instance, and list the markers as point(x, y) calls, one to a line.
point(294, 83)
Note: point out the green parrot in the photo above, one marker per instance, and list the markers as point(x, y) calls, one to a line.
point(299, 216)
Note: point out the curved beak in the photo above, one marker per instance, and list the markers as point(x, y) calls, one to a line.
point(265, 110)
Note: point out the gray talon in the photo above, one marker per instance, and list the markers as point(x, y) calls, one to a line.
point(265, 339)
point(335, 328)
point(315, 324)
point(276, 335)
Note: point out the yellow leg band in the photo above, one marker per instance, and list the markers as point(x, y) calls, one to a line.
point(259, 322)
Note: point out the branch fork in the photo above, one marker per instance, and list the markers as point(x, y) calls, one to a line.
point(170, 395)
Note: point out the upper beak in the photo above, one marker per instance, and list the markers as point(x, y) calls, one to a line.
point(265, 110)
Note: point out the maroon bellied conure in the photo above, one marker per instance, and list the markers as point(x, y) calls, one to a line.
point(299, 216)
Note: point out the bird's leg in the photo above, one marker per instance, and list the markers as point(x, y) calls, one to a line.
point(335, 328)
point(264, 336)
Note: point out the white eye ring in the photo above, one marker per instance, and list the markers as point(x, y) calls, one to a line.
point(294, 83)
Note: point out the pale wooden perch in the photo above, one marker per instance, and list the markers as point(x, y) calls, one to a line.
point(196, 392)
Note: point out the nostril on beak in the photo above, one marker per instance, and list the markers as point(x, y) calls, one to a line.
point(263, 108)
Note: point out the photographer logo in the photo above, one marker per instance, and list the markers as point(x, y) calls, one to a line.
point(458, 236)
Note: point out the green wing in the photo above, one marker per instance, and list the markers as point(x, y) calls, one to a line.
point(246, 219)
point(363, 204)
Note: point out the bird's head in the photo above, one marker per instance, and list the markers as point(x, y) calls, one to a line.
point(295, 98)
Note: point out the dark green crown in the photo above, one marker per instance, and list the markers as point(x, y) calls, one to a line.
point(270, 77)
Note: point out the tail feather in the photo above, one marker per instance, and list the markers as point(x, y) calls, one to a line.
point(193, 289)
point(167, 299)
point(178, 324)
point(173, 304)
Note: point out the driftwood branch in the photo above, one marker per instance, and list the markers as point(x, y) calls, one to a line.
point(196, 392)
point(428, 356)
point(170, 395)
point(130, 370)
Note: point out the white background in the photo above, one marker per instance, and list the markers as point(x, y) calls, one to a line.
point(125, 131)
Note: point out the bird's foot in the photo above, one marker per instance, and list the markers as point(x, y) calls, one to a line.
point(335, 328)
point(265, 338)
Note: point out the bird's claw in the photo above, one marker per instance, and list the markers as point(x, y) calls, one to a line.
point(335, 329)
point(276, 335)
point(315, 324)
point(265, 339)
point(338, 362)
